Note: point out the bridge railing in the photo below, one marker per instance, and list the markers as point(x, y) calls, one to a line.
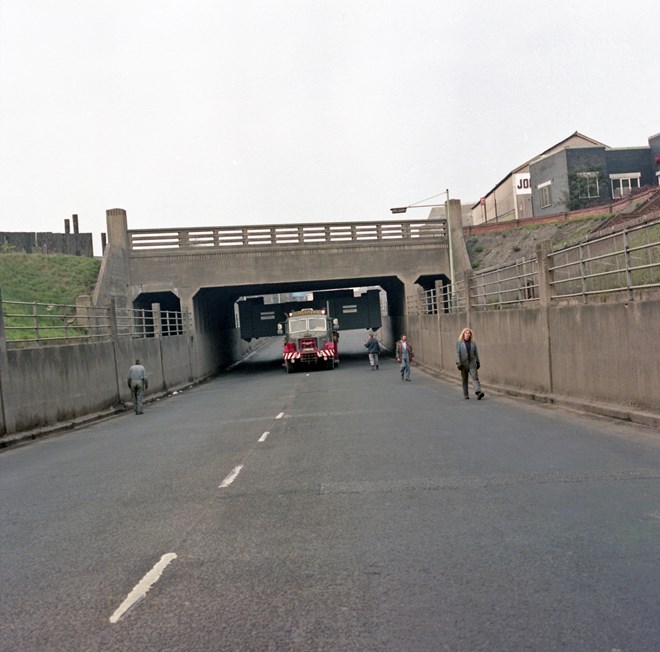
point(302, 235)
point(30, 324)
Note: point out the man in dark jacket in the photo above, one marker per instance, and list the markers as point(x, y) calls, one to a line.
point(373, 349)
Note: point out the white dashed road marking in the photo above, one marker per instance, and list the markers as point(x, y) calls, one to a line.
point(231, 477)
point(263, 437)
point(280, 415)
point(143, 586)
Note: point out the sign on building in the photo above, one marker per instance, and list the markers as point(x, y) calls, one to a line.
point(522, 184)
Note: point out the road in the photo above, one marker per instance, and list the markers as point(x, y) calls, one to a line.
point(333, 510)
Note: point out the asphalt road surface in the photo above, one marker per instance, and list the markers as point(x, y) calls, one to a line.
point(333, 510)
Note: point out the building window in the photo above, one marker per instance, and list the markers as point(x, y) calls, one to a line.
point(622, 184)
point(588, 187)
point(545, 196)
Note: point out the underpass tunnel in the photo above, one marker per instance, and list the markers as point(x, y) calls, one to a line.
point(214, 313)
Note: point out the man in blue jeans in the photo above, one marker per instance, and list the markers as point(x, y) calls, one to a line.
point(404, 355)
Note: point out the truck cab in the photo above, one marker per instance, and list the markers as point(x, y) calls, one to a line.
point(309, 339)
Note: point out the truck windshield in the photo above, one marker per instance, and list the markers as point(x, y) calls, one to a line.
point(316, 324)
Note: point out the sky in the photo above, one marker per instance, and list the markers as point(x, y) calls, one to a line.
point(223, 113)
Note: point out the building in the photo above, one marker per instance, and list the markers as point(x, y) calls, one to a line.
point(575, 173)
point(579, 177)
point(511, 198)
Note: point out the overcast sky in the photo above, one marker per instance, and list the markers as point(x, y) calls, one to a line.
point(217, 112)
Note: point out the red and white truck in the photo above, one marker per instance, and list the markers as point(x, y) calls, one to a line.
point(310, 339)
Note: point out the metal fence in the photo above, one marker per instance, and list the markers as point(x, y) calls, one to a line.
point(29, 324)
point(451, 298)
point(627, 260)
point(506, 286)
point(624, 261)
point(139, 323)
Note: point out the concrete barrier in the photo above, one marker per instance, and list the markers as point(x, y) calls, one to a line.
point(597, 357)
point(48, 387)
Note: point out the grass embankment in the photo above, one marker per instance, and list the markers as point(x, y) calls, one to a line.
point(47, 279)
point(36, 278)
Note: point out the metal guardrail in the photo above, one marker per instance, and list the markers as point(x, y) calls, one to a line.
point(29, 324)
point(627, 260)
point(510, 285)
point(451, 299)
point(624, 261)
point(140, 323)
point(302, 235)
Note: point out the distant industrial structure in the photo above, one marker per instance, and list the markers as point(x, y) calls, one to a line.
point(71, 244)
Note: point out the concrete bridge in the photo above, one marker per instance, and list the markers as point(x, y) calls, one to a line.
point(203, 271)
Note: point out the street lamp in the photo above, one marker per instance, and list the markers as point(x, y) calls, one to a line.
point(403, 209)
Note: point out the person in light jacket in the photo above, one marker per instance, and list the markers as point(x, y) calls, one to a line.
point(468, 363)
point(137, 383)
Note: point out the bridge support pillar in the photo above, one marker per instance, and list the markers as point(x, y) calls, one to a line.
point(114, 277)
point(117, 226)
point(411, 291)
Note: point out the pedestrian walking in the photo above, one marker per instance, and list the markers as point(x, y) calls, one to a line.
point(137, 383)
point(404, 356)
point(468, 363)
point(373, 349)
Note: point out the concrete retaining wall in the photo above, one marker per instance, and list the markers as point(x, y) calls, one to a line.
point(59, 383)
point(609, 351)
point(598, 353)
point(514, 348)
point(46, 386)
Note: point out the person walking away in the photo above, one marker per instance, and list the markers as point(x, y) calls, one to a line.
point(404, 355)
point(137, 383)
point(373, 349)
point(468, 363)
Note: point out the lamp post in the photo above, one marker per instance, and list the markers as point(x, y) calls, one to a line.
point(403, 209)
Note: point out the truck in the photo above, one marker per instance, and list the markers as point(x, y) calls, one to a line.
point(310, 339)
